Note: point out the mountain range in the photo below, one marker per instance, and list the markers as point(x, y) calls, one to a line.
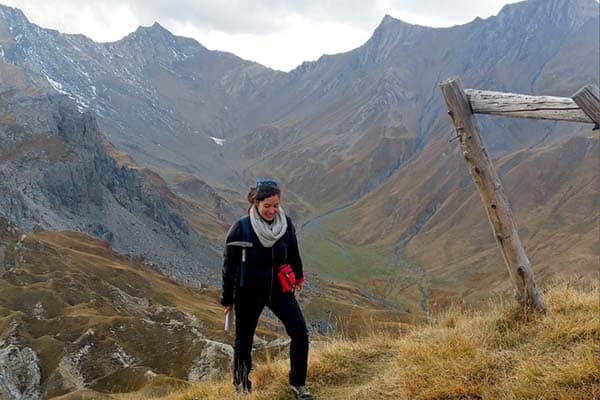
point(359, 141)
point(149, 144)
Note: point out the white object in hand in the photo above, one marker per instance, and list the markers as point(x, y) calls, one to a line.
point(228, 320)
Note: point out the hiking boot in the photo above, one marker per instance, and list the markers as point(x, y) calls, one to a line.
point(302, 393)
point(242, 389)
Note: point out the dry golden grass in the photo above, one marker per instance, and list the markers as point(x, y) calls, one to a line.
point(498, 353)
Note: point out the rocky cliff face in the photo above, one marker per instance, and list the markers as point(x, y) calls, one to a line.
point(157, 96)
point(55, 174)
point(73, 315)
point(20, 374)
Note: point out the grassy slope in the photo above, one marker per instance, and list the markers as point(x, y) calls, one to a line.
point(80, 285)
point(77, 284)
point(493, 354)
point(427, 225)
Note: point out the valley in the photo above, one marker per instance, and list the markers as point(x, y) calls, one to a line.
point(123, 164)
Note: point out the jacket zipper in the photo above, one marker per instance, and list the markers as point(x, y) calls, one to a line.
point(272, 272)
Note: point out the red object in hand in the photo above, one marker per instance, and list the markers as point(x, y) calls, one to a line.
point(287, 279)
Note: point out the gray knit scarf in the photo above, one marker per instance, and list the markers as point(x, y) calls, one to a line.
point(267, 233)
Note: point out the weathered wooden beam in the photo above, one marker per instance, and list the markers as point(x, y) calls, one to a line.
point(492, 193)
point(524, 106)
point(588, 99)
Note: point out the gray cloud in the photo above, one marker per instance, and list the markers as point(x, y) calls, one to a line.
point(253, 17)
point(269, 16)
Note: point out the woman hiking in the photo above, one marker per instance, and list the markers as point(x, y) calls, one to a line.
point(262, 267)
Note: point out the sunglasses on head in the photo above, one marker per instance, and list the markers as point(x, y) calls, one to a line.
point(266, 182)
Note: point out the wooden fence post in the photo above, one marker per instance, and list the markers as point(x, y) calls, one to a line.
point(588, 99)
point(492, 193)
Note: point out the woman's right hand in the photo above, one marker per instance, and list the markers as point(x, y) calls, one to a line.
point(227, 309)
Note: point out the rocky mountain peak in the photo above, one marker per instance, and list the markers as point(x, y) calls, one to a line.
point(388, 19)
point(14, 14)
point(391, 25)
point(148, 35)
point(570, 14)
point(155, 30)
point(390, 34)
point(12, 22)
point(157, 42)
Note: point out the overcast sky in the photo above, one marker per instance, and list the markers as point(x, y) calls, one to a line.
point(280, 34)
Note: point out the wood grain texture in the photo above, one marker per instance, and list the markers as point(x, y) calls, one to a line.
point(524, 106)
point(492, 193)
point(588, 99)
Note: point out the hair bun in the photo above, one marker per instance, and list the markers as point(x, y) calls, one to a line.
point(252, 195)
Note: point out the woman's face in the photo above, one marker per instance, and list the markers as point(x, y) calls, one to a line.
point(268, 207)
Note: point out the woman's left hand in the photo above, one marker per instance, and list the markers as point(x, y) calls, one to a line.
point(298, 287)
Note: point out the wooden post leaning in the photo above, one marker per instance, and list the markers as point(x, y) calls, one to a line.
point(492, 193)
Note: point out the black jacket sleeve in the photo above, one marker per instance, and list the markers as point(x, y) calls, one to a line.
point(294, 253)
point(232, 257)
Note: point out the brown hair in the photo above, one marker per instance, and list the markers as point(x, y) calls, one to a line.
point(261, 192)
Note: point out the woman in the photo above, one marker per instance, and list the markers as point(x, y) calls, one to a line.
point(257, 246)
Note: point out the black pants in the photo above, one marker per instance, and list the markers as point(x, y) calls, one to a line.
point(247, 312)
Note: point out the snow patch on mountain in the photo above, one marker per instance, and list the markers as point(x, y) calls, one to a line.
point(218, 141)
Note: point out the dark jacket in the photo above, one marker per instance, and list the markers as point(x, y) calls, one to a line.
point(261, 263)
